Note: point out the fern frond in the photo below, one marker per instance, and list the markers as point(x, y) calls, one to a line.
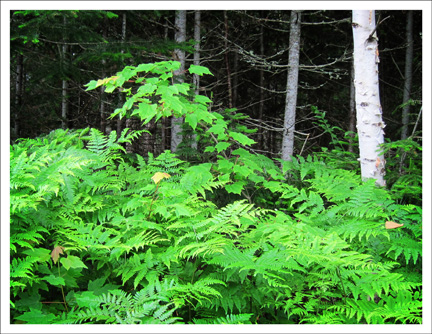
point(230, 319)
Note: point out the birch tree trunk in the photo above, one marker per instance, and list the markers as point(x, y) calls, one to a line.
point(370, 124)
point(292, 85)
point(180, 36)
point(408, 74)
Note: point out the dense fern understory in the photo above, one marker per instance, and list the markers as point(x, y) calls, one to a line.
point(101, 236)
point(96, 238)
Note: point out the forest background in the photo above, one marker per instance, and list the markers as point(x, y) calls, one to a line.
point(263, 103)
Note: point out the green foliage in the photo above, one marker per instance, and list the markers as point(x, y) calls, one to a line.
point(96, 238)
point(404, 169)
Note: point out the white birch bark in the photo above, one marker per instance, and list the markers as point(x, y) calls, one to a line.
point(292, 85)
point(370, 124)
point(180, 36)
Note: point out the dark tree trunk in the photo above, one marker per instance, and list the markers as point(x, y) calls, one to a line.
point(18, 94)
point(230, 98)
point(408, 74)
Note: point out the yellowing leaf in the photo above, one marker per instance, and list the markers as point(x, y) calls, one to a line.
point(106, 80)
point(55, 254)
point(160, 176)
point(391, 225)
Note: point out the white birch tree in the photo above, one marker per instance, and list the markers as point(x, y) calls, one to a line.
point(370, 125)
point(180, 36)
point(292, 85)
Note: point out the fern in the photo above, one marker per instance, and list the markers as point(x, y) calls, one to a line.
point(120, 307)
point(230, 319)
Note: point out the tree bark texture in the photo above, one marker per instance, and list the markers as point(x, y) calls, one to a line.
point(370, 125)
point(120, 95)
point(352, 110)
point(197, 38)
point(261, 102)
point(228, 69)
point(64, 104)
point(196, 60)
point(292, 86)
point(18, 93)
point(180, 36)
point(408, 74)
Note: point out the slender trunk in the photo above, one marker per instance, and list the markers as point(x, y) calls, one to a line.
point(408, 74)
point(292, 86)
point(196, 61)
point(103, 123)
point(65, 104)
point(230, 98)
point(370, 124)
point(235, 79)
point(197, 38)
point(261, 103)
point(102, 103)
point(18, 94)
point(120, 96)
point(180, 36)
point(352, 110)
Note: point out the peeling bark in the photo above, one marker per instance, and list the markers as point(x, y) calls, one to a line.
point(370, 125)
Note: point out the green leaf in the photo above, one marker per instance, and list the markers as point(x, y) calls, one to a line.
point(146, 111)
point(36, 317)
point(145, 67)
point(241, 138)
point(202, 99)
point(72, 262)
point(225, 165)
point(222, 146)
point(92, 85)
point(242, 170)
point(55, 280)
point(192, 120)
point(147, 89)
point(200, 70)
point(236, 187)
point(87, 299)
point(41, 254)
point(219, 129)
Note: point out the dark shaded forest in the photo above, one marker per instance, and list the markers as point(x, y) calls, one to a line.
point(247, 51)
point(150, 181)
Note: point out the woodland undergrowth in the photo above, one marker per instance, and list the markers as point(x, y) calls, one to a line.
point(98, 236)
